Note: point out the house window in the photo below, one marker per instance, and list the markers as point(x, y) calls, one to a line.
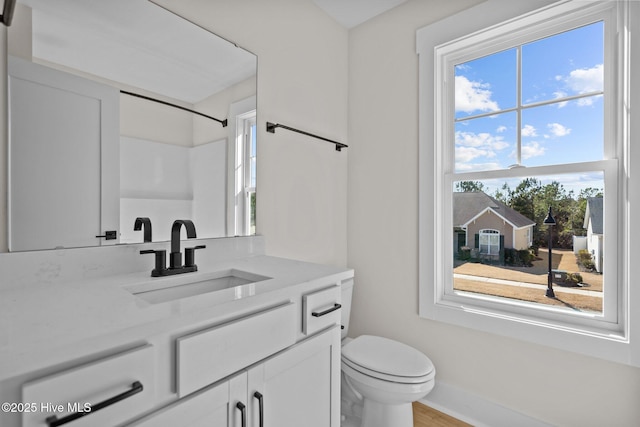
point(529, 114)
point(489, 241)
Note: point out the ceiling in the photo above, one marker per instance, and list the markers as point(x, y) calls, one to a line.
point(139, 44)
point(119, 40)
point(350, 13)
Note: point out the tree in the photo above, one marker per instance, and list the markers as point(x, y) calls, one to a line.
point(470, 186)
point(532, 199)
point(504, 194)
point(525, 196)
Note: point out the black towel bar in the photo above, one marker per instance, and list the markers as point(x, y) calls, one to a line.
point(271, 127)
point(148, 98)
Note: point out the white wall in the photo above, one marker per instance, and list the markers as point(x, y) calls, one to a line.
point(174, 182)
point(209, 177)
point(219, 105)
point(558, 387)
point(152, 121)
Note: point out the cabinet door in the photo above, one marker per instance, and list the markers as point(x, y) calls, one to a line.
point(206, 408)
point(299, 387)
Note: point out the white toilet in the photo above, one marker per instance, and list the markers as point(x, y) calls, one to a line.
point(380, 377)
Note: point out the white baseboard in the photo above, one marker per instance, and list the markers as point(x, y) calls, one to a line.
point(474, 409)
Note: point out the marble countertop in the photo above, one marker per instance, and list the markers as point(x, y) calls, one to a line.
point(41, 323)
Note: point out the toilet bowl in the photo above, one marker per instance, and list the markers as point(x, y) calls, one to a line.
point(380, 378)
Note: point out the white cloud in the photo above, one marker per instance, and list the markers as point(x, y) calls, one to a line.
point(532, 149)
point(466, 154)
point(584, 80)
point(470, 145)
point(473, 96)
point(580, 81)
point(483, 139)
point(560, 94)
point(501, 129)
point(557, 129)
point(585, 102)
point(529, 130)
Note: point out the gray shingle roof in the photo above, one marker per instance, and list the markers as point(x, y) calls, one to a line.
point(467, 205)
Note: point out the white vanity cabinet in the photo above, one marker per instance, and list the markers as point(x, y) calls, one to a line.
point(263, 354)
point(299, 386)
point(251, 372)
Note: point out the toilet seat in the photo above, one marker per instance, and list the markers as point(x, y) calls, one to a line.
point(387, 360)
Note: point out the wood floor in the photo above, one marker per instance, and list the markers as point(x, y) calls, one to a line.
point(424, 416)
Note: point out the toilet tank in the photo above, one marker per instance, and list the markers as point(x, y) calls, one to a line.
point(347, 292)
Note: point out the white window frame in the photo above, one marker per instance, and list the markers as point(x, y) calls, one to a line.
point(244, 189)
point(241, 113)
point(250, 128)
point(484, 28)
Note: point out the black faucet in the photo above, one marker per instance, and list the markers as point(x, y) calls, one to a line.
point(175, 257)
point(146, 222)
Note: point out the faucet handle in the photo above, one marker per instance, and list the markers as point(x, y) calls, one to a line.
point(189, 255)
point(161, 261)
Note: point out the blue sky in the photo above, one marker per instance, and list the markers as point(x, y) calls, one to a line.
point(564, 131)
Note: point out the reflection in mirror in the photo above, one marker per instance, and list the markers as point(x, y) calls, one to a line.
point(91, 159)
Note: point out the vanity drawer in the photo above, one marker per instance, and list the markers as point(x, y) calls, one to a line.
point(106, 392)
point(321, 309)
point(207, 356)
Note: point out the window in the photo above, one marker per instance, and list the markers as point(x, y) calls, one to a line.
point(245, 198)
point(489, 242)
point(528, 115)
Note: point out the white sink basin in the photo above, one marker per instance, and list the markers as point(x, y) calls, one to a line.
point(174, 287)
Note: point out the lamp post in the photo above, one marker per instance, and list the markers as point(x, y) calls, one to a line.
point(549, 221)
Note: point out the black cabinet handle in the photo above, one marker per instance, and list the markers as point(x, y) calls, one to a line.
point(109, 235)
point(243, 413)
point(259, 396)
point(335, 307)
point(53, 420)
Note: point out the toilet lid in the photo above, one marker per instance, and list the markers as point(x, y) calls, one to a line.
point(387, 357)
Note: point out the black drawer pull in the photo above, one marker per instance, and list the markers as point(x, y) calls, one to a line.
point(259, 396)
point(53, 420)
point(243, 413)
point(335, 307)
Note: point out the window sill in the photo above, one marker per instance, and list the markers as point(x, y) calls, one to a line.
point(611, 345)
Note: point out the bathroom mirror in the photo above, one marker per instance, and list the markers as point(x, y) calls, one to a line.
point(116, 111)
